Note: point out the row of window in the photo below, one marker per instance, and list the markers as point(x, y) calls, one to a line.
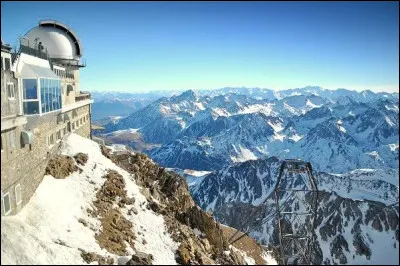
point(52, 138)
point(64, 73)
point(55, 137)
point(6, 199)
point(78, 123)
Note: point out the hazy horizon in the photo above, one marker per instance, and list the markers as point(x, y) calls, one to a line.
point(229, 87)
point(152, 46)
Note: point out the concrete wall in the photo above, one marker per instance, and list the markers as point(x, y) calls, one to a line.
point(25, 165)
point(68, 98)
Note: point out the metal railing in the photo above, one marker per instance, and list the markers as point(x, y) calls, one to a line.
point(84, 95)
point(34, 52)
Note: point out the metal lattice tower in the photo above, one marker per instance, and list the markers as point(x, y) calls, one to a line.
point(295, 198)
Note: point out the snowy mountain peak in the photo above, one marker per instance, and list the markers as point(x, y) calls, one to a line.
point(188, 95)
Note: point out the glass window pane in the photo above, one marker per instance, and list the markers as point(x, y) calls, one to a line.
point(53, 86)
point(31, 108)
point(58, 96)
point(60, 93)
point(50, 95)
point(47, 96)
point(7, 205)
point(42, 95)
point(30, 89)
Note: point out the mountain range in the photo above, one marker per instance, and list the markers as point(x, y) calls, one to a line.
point(208, 132)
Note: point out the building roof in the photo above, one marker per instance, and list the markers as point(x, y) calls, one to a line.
point(33, 71)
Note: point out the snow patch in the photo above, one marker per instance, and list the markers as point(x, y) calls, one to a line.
point(47, 230)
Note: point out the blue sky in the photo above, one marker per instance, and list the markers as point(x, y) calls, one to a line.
point(141, 46)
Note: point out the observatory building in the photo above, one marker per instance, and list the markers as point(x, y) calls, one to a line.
point(41, 102)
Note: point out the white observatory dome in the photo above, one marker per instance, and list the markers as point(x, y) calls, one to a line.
point(58, 39)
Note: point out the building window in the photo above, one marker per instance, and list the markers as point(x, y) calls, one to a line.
point(10, 90)
point(29, 89)
point(31, 108)
point(80, 121)
point(64, 131)
point(18, 198)
point(31, 101)
point(50, 94)
point(58, 135)
point(69, 89)
point(51, 139)
point(73, 126)
point(11, 135)
point(6, 203)
point(7, 63)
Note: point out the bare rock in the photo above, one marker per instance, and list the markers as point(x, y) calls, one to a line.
point(81, 158)
point(141, 258)
point(61, 166)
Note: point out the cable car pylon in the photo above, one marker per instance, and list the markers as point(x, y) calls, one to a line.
point(297, 237)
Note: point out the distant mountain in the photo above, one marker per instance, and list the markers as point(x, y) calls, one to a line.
point(107, 104)
point(333, 95)
point(218, 130)
point(355, 223)
point(111, 103)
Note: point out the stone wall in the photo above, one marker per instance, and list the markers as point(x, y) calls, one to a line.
point(9, 106)
point(26, 164)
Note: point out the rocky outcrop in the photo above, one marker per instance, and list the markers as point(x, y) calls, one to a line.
point(81, 158)
point(201, 237)
point(61, 166)
point(116, 229)
point(89, 257)
point(141, 258)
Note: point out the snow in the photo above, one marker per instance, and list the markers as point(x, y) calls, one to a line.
point(257, 108)
point(389, 121)
point(290, 108)
point(392, 108)
point(181, 122)
point(296, 137)
point(277, 136)
point(200, 106)
point(51, 216)
point(117, 147)
point(393, 146)
point(194, 177)
point(166, 110)
point(339, 124)
point(122, 131)
point(268, 258)
point(247, 259)
point(220, 112)
point(310, 104)
point(277, 127)
point(243, 155)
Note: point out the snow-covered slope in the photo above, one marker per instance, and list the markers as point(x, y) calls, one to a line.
point(48, 231)
point(114, 209)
